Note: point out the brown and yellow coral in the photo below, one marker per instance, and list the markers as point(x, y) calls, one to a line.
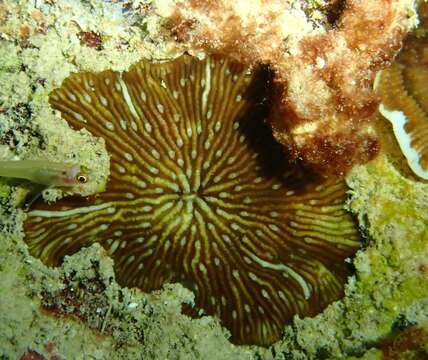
point(196, 196)
point(403, 88)
point(324, 75)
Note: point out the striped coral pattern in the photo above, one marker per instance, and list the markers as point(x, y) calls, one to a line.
point(199, 193)
point(404, 87)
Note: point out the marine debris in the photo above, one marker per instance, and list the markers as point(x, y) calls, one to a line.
point(324, 70)
point(200, 193)
point(403, 88)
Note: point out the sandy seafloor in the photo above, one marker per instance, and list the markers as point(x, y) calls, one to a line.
point(39, 47)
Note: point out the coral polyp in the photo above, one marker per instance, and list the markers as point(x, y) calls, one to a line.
point(200, 193)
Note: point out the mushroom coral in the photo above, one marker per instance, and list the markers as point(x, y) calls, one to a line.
point(196, 196)
point(403, 88)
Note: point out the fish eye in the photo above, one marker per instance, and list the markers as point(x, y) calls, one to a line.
point(81, 178)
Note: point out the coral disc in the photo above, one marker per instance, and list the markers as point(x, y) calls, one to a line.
point(200, 193)
point(404, 91)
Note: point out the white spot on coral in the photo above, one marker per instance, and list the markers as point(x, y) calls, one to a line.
point(109, 125)
point(103, 100)
point(226, 238)
point(265, 294)
point(143, 96)
point(155, 154)
point(148, 127)
point(114, 246)
point(78, 116)
point(273, 227)
point(141, 184)
point(129, 195)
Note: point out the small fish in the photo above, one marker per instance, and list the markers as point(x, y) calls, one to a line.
point(50, 174)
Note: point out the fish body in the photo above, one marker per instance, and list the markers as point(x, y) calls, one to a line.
point(51, 174)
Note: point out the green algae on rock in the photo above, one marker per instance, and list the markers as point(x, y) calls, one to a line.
point(196, 195)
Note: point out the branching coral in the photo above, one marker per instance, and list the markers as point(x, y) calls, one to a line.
point(324, 99)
